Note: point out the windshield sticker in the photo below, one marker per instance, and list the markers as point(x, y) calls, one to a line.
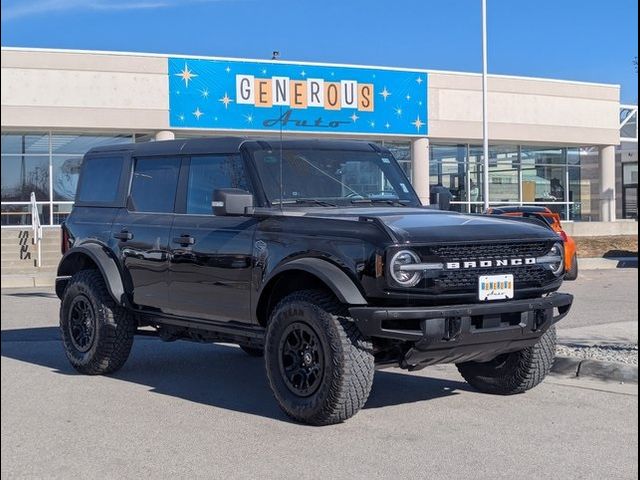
point(404, 188)
point(385, 160)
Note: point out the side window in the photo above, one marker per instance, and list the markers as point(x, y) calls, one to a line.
point(100, 179)
point(154, 183)
point(208, 173)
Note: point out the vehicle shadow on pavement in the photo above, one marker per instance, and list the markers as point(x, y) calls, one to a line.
point(218, 375)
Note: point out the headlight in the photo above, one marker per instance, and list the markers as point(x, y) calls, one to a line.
point(406, 278)
point(556, 257)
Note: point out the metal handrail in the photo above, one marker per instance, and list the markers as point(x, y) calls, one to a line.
point(36, 228)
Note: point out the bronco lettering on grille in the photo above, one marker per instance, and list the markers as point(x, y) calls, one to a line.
point(490, 263)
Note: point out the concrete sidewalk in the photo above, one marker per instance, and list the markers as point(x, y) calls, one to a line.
point(605, 334)
point(608, 351)
point(600, 263)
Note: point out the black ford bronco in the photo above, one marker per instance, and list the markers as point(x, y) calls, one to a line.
point(314, 254)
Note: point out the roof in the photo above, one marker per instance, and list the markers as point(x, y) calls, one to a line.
point(213, 145)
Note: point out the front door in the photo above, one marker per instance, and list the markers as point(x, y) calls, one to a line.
point(211, 256)
point(142, 230)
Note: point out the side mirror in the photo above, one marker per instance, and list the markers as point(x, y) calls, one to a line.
point(231, 201)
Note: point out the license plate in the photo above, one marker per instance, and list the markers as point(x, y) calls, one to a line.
point(495, 287)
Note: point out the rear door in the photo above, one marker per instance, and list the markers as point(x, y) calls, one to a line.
point(211, 256)
point(142, 229)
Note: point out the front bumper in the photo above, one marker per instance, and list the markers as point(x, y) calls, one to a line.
point(461, 333)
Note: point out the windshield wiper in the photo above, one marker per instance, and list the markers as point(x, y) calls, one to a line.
point(388, 201)
point(304, 201)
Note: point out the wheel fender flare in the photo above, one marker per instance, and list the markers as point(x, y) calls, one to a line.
point(106, 264)
point(339, 282)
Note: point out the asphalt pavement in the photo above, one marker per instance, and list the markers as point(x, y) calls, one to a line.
point(205, 411)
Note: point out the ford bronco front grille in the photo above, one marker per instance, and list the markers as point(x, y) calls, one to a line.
point(465, 280)
point(460, 252)
point(527, 276)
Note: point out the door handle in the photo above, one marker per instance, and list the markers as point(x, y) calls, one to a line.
point(123, 235)
point(184, 240)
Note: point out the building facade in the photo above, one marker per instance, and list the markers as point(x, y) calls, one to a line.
point(553, 143)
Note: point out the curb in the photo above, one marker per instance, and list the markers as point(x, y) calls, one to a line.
point(598, 369)
point(600, 263)
point(28, 280)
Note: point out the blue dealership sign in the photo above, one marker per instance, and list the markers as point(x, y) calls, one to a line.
point(220, 94)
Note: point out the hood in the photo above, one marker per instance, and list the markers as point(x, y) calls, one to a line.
point(419, 225)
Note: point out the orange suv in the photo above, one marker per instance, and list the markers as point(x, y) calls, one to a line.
point(553, 220)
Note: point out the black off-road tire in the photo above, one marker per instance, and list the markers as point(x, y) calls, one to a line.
point(252, 351)
point(514, 372)
point(108, 347)
point(572, 273)
point(348, 362)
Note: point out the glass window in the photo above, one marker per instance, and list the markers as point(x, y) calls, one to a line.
point(476, 185)
point(543, 183)
point(476, 154)
point(80, 144)
point(579, 194)
point(560, 209)
point(543, 156)
point(23, 174)
point(20, 143)
point(209, 173)
point(16, 215)
point(587, 178)
point(401, 151)
point(66, 171)
point(504, 175)
point(573, 156)
point(630, 173)
point(335, 176)
point(100, 179)
point(60, 212)
point(629, 129)
point(448, 168)
point(153, 188)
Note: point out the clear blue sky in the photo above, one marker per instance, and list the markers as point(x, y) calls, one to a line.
point(585, 40)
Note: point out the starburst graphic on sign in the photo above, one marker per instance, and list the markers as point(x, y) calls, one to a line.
point(197, 113)
point(408, 97)
point(387, 125)
point(398, 111)
point(204, 92)
point(225, 100)
point(354, 117)
point(418, 123)
point(249, 118)
point(181, 117)
point(264, 71)
point(186, 75)
point(303, 73)
point(372, 124)
point(419, 80)
point(385, 93)
point(228, 69)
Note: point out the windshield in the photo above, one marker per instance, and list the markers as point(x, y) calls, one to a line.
point(333, 177)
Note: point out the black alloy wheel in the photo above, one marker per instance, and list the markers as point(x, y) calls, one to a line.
point(82, 323)
point(320, 367)
point(301, 359)
point(97, 333)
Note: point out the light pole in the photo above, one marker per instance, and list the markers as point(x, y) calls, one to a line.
point(485, 118)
